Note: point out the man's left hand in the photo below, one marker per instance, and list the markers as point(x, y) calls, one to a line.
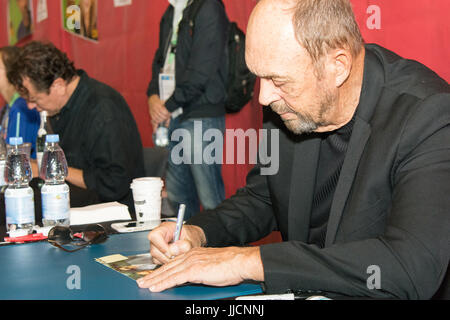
point(208, 266)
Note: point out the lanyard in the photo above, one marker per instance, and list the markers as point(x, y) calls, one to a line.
point(173, 42)
point(14, 99)
point(177, 17)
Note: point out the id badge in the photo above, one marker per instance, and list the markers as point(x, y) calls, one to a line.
point(166, 89)
point(166, 85)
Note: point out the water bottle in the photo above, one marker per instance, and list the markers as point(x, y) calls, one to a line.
point(3, 183)
point(19, 197)
point(162, 136)
point(40, 140)
point(55, 192)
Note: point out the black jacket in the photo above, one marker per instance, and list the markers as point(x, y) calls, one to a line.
point(201, 64)
point(99, 135)
point(391, 207)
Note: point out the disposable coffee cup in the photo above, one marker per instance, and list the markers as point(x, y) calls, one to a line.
point(147, 198)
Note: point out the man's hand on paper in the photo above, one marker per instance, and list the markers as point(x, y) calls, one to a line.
point(194, 264)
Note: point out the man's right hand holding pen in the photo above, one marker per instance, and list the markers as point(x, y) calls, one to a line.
point(191, 263)
point(162, 247)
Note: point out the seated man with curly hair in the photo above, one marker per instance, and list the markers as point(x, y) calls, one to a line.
point(97, 130)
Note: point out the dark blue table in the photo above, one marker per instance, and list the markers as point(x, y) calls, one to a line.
point(40, 271)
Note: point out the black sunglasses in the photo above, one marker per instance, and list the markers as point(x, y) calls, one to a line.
point(62, 235)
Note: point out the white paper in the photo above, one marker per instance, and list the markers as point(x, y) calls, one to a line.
point(122, 3)
point(42, 11)
point(98, 213)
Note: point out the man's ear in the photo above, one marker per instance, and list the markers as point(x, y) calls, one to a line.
point(59, 86)
point(341, 61)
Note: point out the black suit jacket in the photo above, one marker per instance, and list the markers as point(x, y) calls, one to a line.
point(391, 207)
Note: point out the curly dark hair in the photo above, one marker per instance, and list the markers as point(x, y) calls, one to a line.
point(42, 63)
point(9, 54)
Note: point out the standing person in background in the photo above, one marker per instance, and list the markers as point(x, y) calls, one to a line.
point(15, 117)
point(194, 61)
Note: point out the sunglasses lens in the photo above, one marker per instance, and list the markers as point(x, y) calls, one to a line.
point(60, 235)
point(92, 234)
point(95, 234)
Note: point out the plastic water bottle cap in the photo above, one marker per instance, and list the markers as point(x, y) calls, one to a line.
point(15, 141)
point(52, 138)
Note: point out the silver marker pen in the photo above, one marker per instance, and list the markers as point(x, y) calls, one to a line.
point(180, 219)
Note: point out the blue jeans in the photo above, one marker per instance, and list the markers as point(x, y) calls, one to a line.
point(193, 181)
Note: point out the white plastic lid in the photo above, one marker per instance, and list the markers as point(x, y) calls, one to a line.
point(147, 183)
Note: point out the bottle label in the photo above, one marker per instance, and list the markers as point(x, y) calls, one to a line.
point(19, 205)
point(39, 160)
point(55, 202)
point(2, 173)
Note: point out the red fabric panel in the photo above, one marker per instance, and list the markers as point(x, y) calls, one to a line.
point(414, 29)
point(128, 38)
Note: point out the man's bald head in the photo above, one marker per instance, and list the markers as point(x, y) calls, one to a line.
point(309, 55)
point(317, 25)
point(271, 34)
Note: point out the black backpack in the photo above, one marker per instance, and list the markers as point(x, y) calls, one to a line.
point(241, 81)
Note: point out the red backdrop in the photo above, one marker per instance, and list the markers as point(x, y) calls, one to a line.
point(416, 29)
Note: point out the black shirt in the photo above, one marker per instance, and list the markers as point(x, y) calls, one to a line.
point(98, 134)
point(333, 148)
